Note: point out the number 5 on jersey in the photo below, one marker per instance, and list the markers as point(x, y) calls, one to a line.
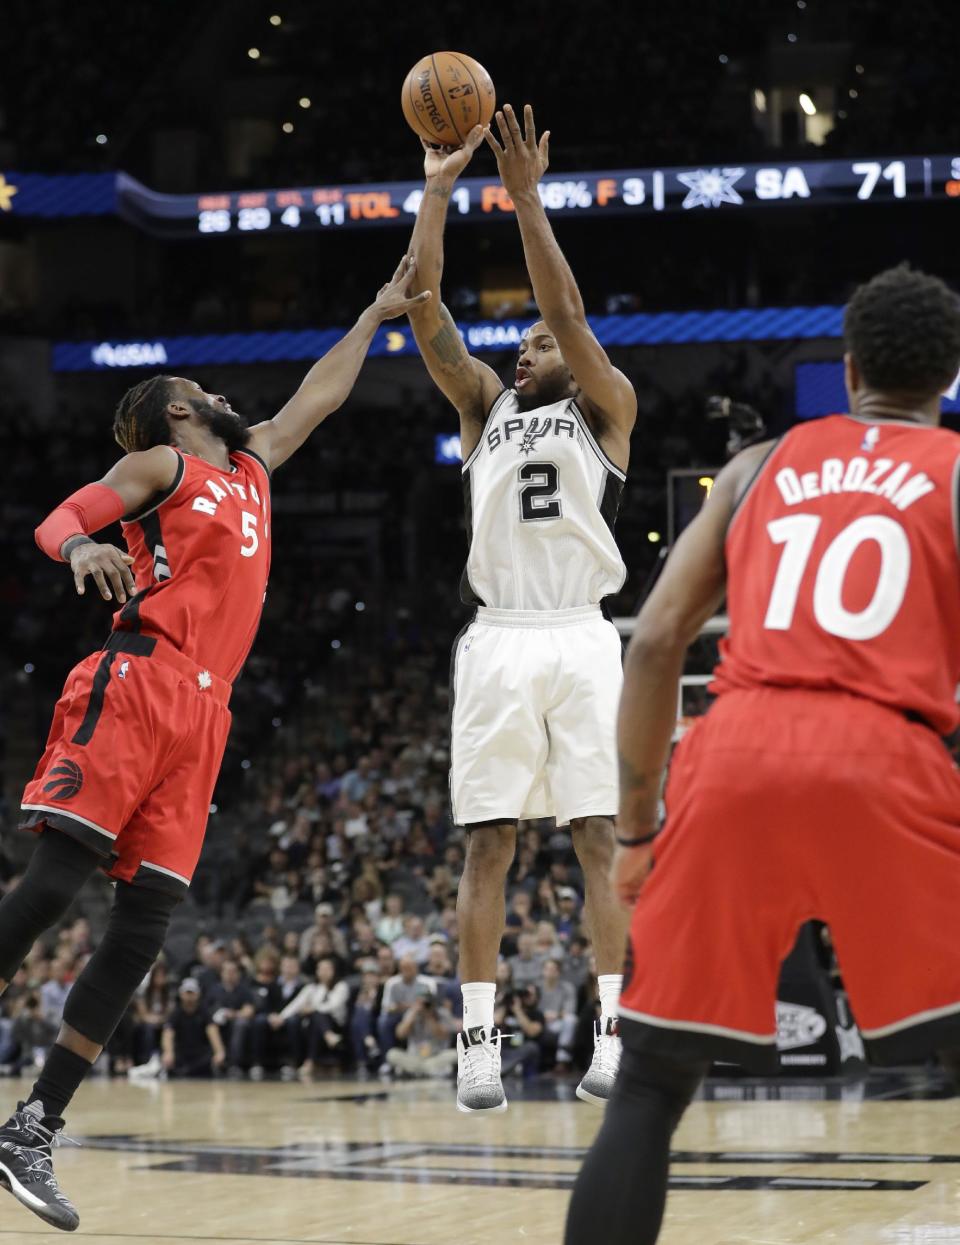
point(797, 534)
point(249, 522)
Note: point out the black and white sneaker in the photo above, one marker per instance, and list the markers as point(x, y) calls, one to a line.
point(597, 1084)
point(27, 1141)
point(479, 1087)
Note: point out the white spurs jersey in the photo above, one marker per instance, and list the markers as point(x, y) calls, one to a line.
point(541, 500)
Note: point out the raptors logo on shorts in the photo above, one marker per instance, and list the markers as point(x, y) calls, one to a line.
point(66, 779)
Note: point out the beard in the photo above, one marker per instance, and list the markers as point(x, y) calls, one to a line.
point(227, 426)
point(545, 392)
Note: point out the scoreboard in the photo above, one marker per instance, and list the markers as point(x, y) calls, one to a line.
point(624, 192)
point(709, 188)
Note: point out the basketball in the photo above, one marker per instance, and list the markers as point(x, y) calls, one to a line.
point(445, 95)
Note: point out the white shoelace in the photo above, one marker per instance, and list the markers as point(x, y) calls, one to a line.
point(481, 1064)
point(606, 1054)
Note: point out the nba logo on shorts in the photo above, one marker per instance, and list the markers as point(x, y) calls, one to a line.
point(122, 672)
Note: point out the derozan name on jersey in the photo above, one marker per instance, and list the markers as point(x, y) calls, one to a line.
point(859, 475)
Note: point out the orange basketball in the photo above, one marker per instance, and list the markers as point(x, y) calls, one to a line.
point(445, 95)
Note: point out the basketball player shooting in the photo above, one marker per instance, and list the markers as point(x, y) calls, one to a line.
point(537, 674)
point(818, 785)
point(139, 732)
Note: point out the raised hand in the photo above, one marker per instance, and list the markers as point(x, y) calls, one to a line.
point(522, 160)
point(392, 299)
point(103, 562)
point(449, 162)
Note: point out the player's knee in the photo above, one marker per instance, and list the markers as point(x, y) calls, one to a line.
point(594, 843)
point(490, 850)
point(675, 1080)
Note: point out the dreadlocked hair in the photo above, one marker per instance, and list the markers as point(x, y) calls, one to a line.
point(903, 330)
point(140, 420)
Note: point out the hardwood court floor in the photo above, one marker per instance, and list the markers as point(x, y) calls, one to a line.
point(360, 1163)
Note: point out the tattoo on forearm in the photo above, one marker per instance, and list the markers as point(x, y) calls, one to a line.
point(446, 345)
point(441, 192)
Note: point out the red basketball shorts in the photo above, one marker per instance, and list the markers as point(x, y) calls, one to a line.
point(782, 807)
point(132, 758)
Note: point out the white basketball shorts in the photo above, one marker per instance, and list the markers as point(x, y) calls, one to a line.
point(535, 699)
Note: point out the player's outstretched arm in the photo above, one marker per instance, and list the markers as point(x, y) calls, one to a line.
point(329, 382)
point(66, 533)
point(690, 590)
point(470, 385)
point(522, 161)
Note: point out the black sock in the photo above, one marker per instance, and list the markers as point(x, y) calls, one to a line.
point(59, 1080)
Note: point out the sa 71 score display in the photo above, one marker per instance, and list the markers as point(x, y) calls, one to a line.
point(622, 192)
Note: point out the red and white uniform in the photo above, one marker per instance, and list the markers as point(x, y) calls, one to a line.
point(139, 733)
point(817, 786)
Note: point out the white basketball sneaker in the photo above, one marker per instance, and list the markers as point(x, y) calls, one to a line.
point(478, 1071)
point(597, 1084)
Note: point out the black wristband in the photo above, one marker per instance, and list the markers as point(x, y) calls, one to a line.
point(647, 838)
point(74, 542)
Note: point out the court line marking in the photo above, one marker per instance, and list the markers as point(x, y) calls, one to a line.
point(226, 1240)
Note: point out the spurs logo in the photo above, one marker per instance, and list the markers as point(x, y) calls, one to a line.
point(533, 434)
point(66, 779)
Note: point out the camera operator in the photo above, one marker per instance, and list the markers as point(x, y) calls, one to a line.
point(521, 1023)
point(427, 1027)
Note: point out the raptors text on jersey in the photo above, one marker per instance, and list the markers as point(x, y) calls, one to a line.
point(844, 567)
point(201, 555)
point(541, 501)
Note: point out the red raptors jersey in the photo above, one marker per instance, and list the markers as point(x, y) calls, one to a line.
point(201, 555)
point(844, 570)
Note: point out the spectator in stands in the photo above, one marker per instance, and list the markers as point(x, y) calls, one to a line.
point(364, 1046)
point(323, 923)
point(546, 943)
point(567, 918)
point(269, 1000)
point(427, 1027)
point(576, 963)
point(386, 962)
point(242, 953)
point(152, 1008)
point(558, 1002)
point(213, 955)
point(546, 905)
point(356, 782)
point(399, 993)
point(192, 1046)
point(439, 966)
point(270, 883)
point(414, 941)
point(361, 941)
point(526, 966)
point(232, 1005)
point(519, 918)
point(33, 1034)
point(518, 1017)
point(315, 1018)
point(53, 992)
point(390, 926)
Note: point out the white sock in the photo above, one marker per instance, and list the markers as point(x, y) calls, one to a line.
point(478, 997)
point(608, 984)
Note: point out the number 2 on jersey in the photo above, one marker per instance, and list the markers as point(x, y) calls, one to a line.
point(539, 484)
point(797, 533)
